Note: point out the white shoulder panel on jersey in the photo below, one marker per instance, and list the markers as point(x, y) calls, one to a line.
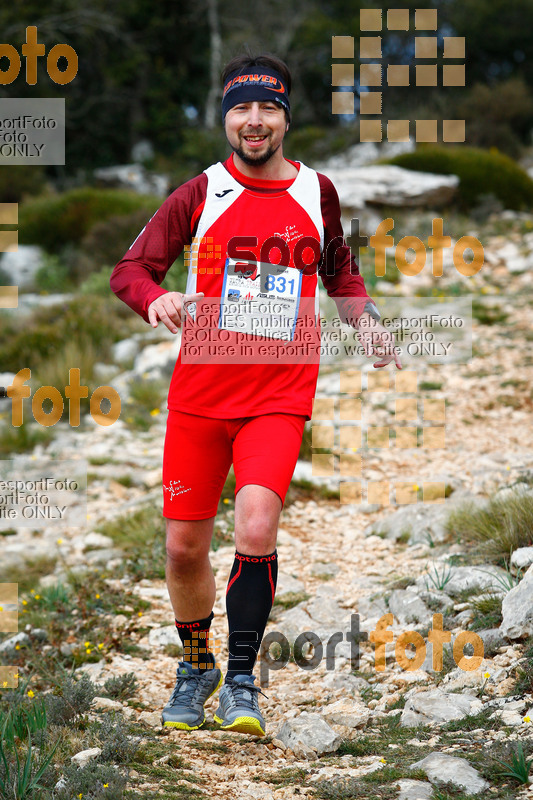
point(306, 191)
point(222, 191)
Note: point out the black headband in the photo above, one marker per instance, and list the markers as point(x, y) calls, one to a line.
point(246, 86)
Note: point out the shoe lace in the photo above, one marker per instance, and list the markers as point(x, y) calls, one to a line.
point(239, 689)
point(184, 697)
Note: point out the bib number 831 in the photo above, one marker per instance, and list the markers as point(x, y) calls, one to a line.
point(280, 284)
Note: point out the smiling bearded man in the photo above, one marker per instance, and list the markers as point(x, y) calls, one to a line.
point(249, 412)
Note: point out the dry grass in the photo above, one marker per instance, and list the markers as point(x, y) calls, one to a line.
point(496, 531)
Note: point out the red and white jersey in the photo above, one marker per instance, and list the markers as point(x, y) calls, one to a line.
point(294, 223)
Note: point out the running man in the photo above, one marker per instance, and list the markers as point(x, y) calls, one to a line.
point(256, 207)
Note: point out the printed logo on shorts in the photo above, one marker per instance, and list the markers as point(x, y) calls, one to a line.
point(175, 488)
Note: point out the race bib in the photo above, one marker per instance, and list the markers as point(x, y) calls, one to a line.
point(260, 298)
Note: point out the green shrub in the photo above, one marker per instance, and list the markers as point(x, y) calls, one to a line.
point(97, 283)
point(55, 371)
point(117, 746)
point(524, 672)
point(480, 173)
point(120, 687)
point(54, 221)
point(21, 439)
point(94, 781)
point(313, 142)
point(20, 181)
point(198, 148)
point(69, 699)
point(53, 276)
point(84, 320)
point(108, 240)
point(499, 115)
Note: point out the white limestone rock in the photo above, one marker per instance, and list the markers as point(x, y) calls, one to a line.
point(309, 735)
point(436, 706)
point(442, 767)
point(517, 609)
point(82, 758)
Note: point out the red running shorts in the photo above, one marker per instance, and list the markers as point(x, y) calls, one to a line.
point(199, 452)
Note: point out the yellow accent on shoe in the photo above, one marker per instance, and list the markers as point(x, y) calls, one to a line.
point(183, 725)
point(242, 725)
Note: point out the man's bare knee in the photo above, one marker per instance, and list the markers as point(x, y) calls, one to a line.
point(187, 543)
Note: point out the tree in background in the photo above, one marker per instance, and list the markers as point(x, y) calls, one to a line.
point(151, 71)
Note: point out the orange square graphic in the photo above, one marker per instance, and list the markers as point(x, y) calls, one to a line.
point(323, 408)
point(9, 594)
point(370, 103)
point(9, 607)
point(406, 409)
point(350, 409)
point(426, 130)
point(425, 47)
point(453, 75)
point(378, 492)
point(370, 74)
point(322, 436)
point(378, 381)
point(350, 465)
point(435, 409)
point(433, 492)
point(9, 213)
point(377, 436)
point(370, 47)
point(351, 380)
point(453, 130)
point(322, 465)
point(398, 19)
point(9, 241)
point(370, 130)
point(405, 437)
point(433, 438)
point(405, 492)
point(406, 381)
point(398, 130)
point(9, 296)
point(454, 47)
point(342, 46)
point(9, 677)
point(350, 437)
point(398, 75)
point(426, 19)
point(342, 103)
point(370, 19)
point(350, 492)
point(342, 75)
point(426, 75)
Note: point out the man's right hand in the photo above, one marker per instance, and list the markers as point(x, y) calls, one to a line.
point(169, 308)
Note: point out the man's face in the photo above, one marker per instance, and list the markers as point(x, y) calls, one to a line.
point(255, 130)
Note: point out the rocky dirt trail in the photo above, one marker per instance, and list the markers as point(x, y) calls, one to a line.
point(336, 561)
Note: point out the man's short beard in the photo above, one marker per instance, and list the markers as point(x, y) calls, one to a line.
point(256, 161)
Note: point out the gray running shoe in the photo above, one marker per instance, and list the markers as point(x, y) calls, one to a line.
point(185, 709)
point(238, 708)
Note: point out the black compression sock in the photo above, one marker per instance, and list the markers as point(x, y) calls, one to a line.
point(195, 639)
point(249, 598)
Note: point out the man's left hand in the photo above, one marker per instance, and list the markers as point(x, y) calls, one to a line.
point(377, 341)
